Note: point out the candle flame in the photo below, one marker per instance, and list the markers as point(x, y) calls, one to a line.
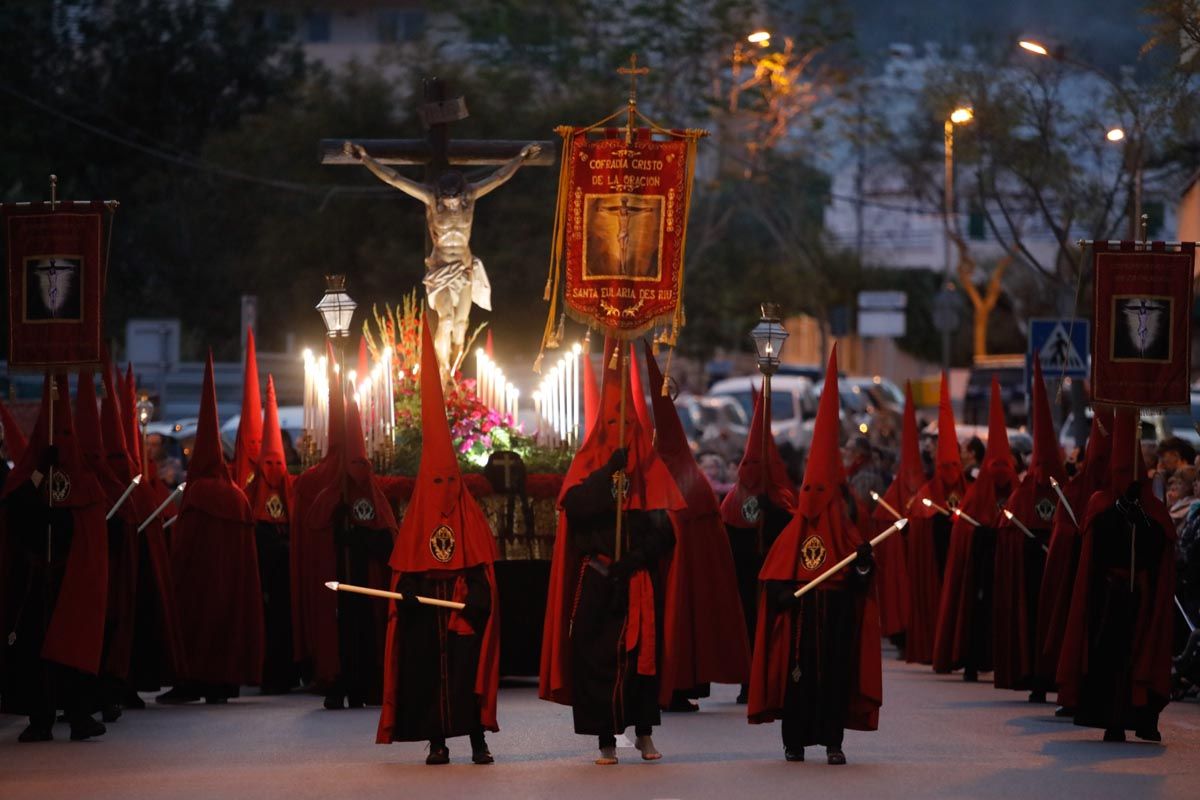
point(332, 585)
point(1008, 514)
point(927, 502)
point(137, 479)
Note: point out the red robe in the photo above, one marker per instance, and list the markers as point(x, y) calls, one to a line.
point(891, 566)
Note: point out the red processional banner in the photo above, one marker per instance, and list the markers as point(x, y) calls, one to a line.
point(55, 284)
point(1141, 347)
point(621, 227)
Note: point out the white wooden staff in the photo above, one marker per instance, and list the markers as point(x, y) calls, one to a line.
point(875, 496)
point(170, 522)
point(170, 498)
point(845, 562)
point(930, 504)
point(1063, 498)
point(425, 601)
point(1013, 519)
point(121, 500)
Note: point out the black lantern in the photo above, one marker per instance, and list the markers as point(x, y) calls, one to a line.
point(769, 336)
point(336, 307)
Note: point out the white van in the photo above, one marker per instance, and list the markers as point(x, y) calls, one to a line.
point(793, 401)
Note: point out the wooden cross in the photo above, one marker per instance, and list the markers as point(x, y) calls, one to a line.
point(506, 461)
point(437, 150)
point(633, 70)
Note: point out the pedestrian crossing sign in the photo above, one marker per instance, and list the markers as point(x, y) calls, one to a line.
point(1062, 346)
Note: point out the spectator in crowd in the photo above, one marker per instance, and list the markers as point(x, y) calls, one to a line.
point(1180, 494)
point(972, 456)
point(716, 469)
point(1174, 453)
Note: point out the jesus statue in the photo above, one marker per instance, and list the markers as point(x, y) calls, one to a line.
point(454, 277)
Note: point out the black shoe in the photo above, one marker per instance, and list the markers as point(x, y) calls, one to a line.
point(334, 702)
point(682, 705)
point(216, 699)
point(354, 701)
point(480, 756)
point(177, 697)
point(1149, 735)
point(1037, 696)
point(971, 675)
point(85, 728)
point(36, 732)
point(110, 713)
point(438, 755)
point(1063, 711)
point(1114, 735)
point(836, 757)
point(793, 755)
point(131, 701)
point(743, 695)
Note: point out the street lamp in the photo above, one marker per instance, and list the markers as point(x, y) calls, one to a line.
point(336, 307)
point(769, 336)
point(959, 116)
point(1115, 134)
point(760, 37)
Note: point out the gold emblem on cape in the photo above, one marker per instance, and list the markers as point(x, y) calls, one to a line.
point(363, 510)
point(952, 501)
point(60, 486)
point(441, 543)
point(620, 479)
point(750, 509)
point(812, 553)
point(275, 506)
point(1045, 509)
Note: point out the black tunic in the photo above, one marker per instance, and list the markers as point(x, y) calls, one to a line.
point(30, 685)
point(608, 694)
point(279, 672)
point(825, 637)
point(977, 655)
point(435, 696)
point(361, 620)
point(1105, 693)
point(748, 557)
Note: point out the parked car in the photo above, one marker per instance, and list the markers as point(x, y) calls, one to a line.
point(878, 390)
point(291, 423)
point(1155, 427)
point(714, 424)
point(1010, 370)
point(792, 402)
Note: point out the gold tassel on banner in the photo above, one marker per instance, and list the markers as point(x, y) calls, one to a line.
point(666, 392)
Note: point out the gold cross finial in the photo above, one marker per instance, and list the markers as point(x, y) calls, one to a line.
point(633, 70)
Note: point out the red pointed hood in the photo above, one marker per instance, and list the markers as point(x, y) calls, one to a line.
point(639, 393)
point(761, 471)
point(443, 527)
point(91, 441)
point(1046, 460)
point(672, 445)
point(1125, 464)
point(74, 485)
point(368, 505)
point(363, 368)
point(650, 483)
point(824, 475)
point(269, 491)
point(250, 425)
point(208, 460)
point(910, 472)
point(112, 428)
point(948, 464)
point(1098, 455)
point(998, 459)
point(14, 439)
point(133, 433)
point(591, 393)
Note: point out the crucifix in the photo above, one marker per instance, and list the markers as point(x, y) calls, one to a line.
point(633, 70)
point(454, 276)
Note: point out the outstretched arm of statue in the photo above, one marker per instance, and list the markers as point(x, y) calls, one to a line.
point(500, 176)
point(388, 175)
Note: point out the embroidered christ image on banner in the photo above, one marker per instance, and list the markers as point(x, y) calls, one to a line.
point(623, 237)
point(52, 288)
point(1141, 329)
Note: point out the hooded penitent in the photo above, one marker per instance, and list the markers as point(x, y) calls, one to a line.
point(1020, 561)
point(1115, 666)
point(156, 649)
point(75, 632)
point(1054, 601)
point(250, 424)
point(819, 536)
point(215, 564)
point(704, 630)
point(963, 634)
point(313, 554)
point(270, 492)
point(761, 472)
point(929, 534)
point(649, 488)
point(444, 531)
point(591, 393)
point(891, 566)
point(14, 439)
point(123, 547)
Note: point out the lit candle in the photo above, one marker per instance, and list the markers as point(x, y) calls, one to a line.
point(577, 353)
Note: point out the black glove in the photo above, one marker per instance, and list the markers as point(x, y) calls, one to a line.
point(49, 459)
point(864, 557)
point(617, 460)
point(1130, 506)
point(786, 598)
point(410, 603)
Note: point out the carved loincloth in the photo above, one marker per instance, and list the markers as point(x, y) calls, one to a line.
point(453, 278)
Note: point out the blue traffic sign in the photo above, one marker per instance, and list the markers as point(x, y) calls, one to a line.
point(1062, 345)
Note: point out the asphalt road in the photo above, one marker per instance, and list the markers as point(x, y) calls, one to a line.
point(938, 738)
